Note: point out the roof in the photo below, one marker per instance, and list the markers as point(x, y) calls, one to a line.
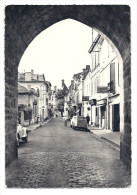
point(86, 73)
point(78, 75)
point(48, 83)
point(22, 89)
point(94, 43)
point(65, 89)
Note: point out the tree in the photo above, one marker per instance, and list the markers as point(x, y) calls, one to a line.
point(60, 94)
point(60, 106)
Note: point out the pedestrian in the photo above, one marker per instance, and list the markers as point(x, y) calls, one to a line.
point(88, 119)
point(65, 121)
point(37, 119)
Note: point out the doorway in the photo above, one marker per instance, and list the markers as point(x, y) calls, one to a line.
point(116, 118)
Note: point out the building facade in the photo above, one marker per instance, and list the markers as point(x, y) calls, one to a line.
point(96, 90)
point(102, 86)
point(27, 105)
point(38, 83)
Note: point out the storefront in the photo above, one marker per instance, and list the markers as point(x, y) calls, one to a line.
point(93, 113)
point(115, 113)
point(85, 100)
point(80, 109)
point(102, 109)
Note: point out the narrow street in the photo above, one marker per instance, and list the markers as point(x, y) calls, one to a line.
point(60, 157)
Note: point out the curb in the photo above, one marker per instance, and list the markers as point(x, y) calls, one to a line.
point(114, 145)
point(29, 130)
point(109, 141)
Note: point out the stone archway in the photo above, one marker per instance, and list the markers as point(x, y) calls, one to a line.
point(25, 22)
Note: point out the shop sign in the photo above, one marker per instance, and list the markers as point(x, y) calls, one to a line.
point(102, 89)
point(79, 105)
point(102, 102)
point(85, 98)
point(92, 102)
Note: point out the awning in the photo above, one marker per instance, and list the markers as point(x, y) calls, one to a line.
point(115, 101)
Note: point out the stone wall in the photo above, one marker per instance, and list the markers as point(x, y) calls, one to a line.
point(25, 22)
point(125, 141)
point(11, 94)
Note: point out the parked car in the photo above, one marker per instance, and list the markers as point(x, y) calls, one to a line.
point(22, 134)
point(79, 122)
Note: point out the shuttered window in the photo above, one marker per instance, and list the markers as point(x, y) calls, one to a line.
point(112, 77)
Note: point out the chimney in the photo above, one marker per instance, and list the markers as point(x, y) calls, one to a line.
point(84, 70)
point(55, 88)
point(87, 67)
point(72, 84)
point(62, 82)
point(32, 71)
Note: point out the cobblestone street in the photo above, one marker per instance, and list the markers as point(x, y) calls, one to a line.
point(59, 157)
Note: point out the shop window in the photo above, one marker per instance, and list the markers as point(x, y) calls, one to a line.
point(96, 111)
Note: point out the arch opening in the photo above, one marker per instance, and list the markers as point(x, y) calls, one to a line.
point(106, 31)
point(57, 40)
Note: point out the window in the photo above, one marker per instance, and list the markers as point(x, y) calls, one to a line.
point(95, 86)
point(87, 89)
point(112, 77)
point(96, 112)
point(95, 60)
point(91, 87)
point(118, 74)
point(97, 81)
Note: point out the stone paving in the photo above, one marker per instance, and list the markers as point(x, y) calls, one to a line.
point(65, 170)
point(70, 165)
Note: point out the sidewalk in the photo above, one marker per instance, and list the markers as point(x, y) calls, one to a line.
point(106, 135)
point(34, 126)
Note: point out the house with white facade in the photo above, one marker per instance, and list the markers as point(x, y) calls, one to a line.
point(38, 83)
point(105, 85)
point(27, 105)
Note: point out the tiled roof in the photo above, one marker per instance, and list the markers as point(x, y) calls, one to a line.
point(22, 89)
point(84, 76)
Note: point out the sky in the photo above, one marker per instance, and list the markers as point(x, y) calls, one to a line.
point(59, 51)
